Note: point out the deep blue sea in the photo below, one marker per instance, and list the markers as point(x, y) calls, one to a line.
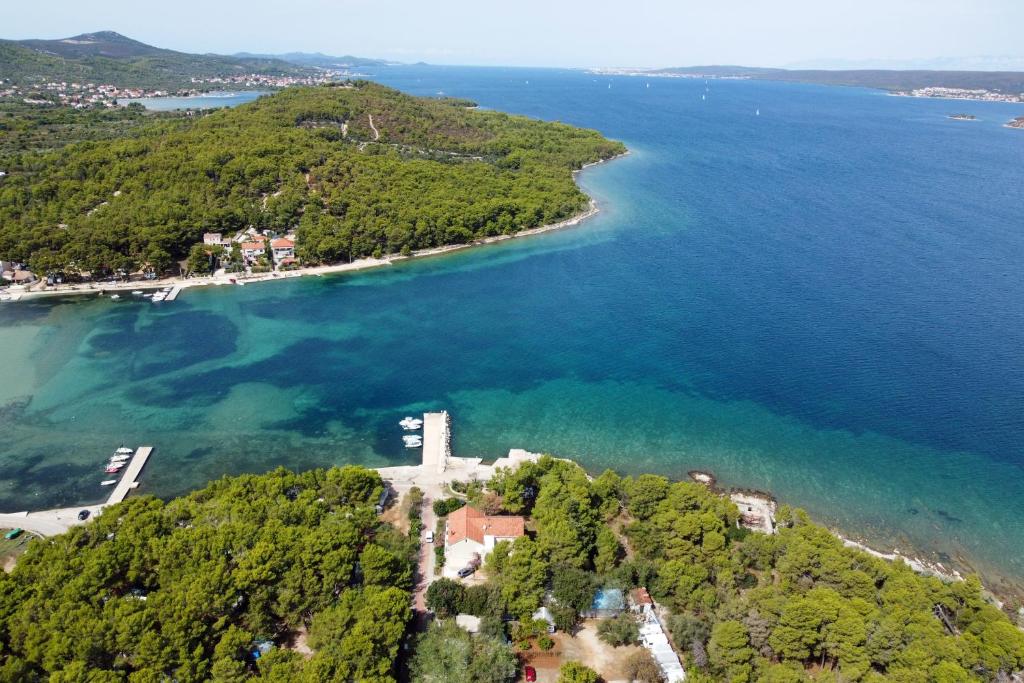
point(823, 300)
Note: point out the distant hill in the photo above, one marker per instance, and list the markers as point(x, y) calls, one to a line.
point(318, 59)
point(885, 79)
point(100, 44)
point(109, 57)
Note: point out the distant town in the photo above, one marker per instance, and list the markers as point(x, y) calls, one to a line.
point(962, 94)
point(83, 95)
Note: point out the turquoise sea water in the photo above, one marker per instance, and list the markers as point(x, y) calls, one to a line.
point(213, 100)
point(823, 301)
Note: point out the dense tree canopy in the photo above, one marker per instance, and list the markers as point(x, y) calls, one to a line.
point(185, 590)
point(448, 654)
point(744, 606)
point(427, 172)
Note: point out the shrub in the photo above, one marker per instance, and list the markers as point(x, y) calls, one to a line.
point(446, 506)
point(620, 630)
point(642, 667)
point(574, 672)
point(445, 597)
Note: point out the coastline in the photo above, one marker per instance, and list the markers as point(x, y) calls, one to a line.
point(361, 264)
point(892, 93)
point(915, 562)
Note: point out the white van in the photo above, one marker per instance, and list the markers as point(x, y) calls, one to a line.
point(429, 537)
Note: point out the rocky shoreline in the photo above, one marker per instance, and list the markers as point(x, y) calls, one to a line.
point(764, 503)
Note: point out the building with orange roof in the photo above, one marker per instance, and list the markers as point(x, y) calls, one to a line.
point(470, 535)
point(282, 248)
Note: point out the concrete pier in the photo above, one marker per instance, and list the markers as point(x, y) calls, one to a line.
point(173, 294)
point(52, 522)
point(129, 480)
point(436, 442)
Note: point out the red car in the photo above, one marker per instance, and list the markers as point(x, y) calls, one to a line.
point(531, 674)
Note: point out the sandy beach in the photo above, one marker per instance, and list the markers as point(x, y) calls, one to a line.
point(18, 294)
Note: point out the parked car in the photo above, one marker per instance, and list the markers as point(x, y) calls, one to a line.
point(83, 515)
point(531, 674)
point(466, 571)
point(429, 538)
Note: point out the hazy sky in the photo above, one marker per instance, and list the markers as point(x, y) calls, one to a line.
point(550, 32)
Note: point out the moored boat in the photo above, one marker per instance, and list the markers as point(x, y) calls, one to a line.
point(108, 482)
point(410, 423)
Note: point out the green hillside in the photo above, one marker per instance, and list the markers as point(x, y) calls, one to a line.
point(108, 57)
point(433, 172)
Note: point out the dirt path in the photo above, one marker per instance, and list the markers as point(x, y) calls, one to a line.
point(376, 133)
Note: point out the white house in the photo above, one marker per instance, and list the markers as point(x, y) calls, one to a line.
point(282, 248)
point(470, 534)
point(252, 250)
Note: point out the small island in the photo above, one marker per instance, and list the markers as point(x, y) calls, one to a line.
point(1016, 123)
point(963, 117)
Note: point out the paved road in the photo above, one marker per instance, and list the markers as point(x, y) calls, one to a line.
point(47, 522)
point(425, 569)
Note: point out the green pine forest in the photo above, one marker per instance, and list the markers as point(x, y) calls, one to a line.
point(434, 172)
point(188, 589)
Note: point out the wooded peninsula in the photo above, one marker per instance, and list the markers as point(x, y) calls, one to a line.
point(354, 169)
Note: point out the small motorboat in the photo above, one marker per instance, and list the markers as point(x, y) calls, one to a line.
point(412, 437)
point(120, 459)
point(136, 292)
point(113, 469)
point(108, 482)
point(410, 423)
point(123, 450)
point(115, 296)
point(413, 444)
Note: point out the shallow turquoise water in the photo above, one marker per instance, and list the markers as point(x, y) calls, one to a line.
point(822, 301)
point(214, 100)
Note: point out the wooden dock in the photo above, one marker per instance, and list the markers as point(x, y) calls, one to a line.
point(173, 294)
point(130, 478)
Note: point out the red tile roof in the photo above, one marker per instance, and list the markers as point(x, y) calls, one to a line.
point(251, 245)
point(467, 522)
point(282, 243)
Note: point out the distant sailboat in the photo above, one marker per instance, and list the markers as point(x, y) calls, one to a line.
point(757, 112)
point(648, 85)
point(609, 86)
point(703, 97)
